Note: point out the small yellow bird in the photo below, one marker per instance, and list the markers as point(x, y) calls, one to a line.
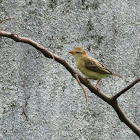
point(89, 66)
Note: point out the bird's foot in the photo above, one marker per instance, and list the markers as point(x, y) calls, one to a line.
point(87, 79)
point(97, 88)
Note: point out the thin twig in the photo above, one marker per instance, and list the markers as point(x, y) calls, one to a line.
point(84, 81)
point(125, 89)
point(77, 78)
point(5, 19)
point(51, 53)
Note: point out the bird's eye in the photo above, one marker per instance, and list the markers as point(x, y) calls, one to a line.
point(77, 52)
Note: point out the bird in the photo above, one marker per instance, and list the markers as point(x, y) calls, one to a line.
point(91, 67)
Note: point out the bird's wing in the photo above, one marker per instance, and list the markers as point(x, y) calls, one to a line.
point(95, 66)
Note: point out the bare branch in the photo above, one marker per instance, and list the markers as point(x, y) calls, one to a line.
point(124, 118)
point(125, 89)
point(109, 100)
point(5, 19)
point(77, 78)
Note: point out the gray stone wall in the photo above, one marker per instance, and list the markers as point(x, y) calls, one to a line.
point(39, 99)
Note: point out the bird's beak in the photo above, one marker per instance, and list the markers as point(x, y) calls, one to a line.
point(72, 52)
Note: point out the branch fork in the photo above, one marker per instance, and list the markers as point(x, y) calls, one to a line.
point(110, 100)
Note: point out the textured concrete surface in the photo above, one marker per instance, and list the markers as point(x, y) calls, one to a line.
point(39, 100)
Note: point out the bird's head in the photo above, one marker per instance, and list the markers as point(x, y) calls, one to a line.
point(78, 52)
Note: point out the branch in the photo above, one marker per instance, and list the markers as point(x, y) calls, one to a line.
point(84, 81)
point(125, 89)
point(124, 118)
point(5, 19)
point(77, 78)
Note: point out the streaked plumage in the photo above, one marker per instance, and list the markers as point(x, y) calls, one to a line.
point(89, 66)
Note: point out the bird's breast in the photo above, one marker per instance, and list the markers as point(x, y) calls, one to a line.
point(88, 73)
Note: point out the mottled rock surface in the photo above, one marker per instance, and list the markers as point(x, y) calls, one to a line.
point(39, 99)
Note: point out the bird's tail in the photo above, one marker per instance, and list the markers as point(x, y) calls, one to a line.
point(117, 75)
